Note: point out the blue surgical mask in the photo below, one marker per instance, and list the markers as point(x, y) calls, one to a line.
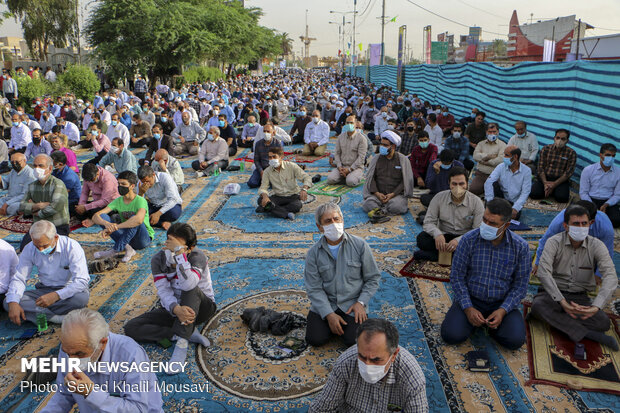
point(424, 144)
point(302, 113)
point(608, 161)
point(383, 150)
point(114, 123)
point(15, 123)
point(446, 166)
point(157, 136)
point(164, 119)
point(349, 127)
point(48, 250)
point(521, 135)
point(444, 113)
point(507, 161)
point(210, 137)
point(222, 123)
point(488, 232)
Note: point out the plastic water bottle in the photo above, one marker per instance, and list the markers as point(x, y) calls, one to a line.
point(216, 170)
point(41, 320)
point(242, 166)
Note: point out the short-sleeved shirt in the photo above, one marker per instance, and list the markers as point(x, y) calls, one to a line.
point(126, 211)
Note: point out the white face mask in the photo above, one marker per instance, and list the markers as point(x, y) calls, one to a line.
point(84, 361)
point(316, 120)
point(578, 233)
point(268, 136)
point(274, 163)
point(456, 135)
point(334, 231)
point(39, 173)
point(370, 373)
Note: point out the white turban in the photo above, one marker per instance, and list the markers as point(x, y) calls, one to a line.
point(392, 137)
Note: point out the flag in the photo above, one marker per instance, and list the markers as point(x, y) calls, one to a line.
point(361, 46)
point(339, 52)
point(348, 52)
point(394, 19)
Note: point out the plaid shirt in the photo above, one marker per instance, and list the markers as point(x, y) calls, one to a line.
point(53, 191)
point(459, 147)
point(421, 160)
point(557, 162)
point(139, 86)
point(404, 386)
point(491, 273)
point(407, 143)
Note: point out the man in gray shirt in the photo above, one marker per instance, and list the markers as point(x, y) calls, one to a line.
point(566, 271)
point(189, 135)
point(16, 182)
point(341, 276)
point(162, 194)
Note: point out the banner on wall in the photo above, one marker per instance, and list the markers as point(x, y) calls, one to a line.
point(402, 31)
point(549, 51)
point(375, 54)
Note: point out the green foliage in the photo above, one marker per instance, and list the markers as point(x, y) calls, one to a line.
point(202, 74)
point(180, 33)
point(28, 89)
point(80, 80)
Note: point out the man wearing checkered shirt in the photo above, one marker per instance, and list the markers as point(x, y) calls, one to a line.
point(490, 273)
point(376, 375)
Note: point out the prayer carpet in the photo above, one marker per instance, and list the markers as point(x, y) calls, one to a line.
point(324, 188)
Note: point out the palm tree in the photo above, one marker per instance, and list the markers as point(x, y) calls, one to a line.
point(286, 43)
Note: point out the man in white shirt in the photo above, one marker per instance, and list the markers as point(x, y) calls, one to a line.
point(527, 142)
point(20, 135)
point(10, 260)
point(316, 136)
point(69, 129)
point(118, 130)
point(63, 277)
point(434, 131)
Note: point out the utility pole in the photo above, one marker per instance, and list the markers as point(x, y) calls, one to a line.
point(578, 40)
point(382, 32)
point(354, 51)
point(77, 20)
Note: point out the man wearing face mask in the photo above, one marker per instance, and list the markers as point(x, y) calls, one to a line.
point(16, 182)
point(189, 135)
point(46, 198)
point(450, 214)
point(459, 145)
point(487, 290)
point(98, 141)
point(566, 272)
point(261, 155)
point(140, 133)
point(510, 180)
point(70, 130)
point(437, 175)
point(38, 145)
point(302, 120)
point(556, 166)
point(160, 141)
point(62, 277)
point(341, 277)
point(121, 158)
point(488, 153)
point(86, 335)
point(445, 120)
point(421, 157)
point(389, 179)
point(68, 177)
point(118, 130)
point(100, 185)
point(376, 375)
point(409, 138)
point(527, 142)
point(475, 131)
point(316, 136)
point(249, 133)
point(47, 121)
point(600, 184)
point(228, 133)
point(213, 152)
point(350, 156)
point(381, 125)
point(21, 135)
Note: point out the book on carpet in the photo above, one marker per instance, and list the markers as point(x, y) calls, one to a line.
point(478, 361)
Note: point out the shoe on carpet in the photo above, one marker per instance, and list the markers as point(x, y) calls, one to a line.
point(379, 219)
point(290, 216)
point(199, 174)
point(420, 218)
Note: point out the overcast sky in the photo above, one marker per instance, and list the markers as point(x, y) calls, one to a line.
point(492, 15)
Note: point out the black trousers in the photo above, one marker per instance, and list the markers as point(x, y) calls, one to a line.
point(498, 193)
point(561, 193)
point(282, 205)
point(297, 139)
point(88, 214)
point(613, 212)
point(159, 324)
point(141, 143)
point(468, 164)
point(60, 230)
point(426, 199)
point(248, 144)
point(223, 164)
point(318, 332)
point(97, 158)
point(426, 242)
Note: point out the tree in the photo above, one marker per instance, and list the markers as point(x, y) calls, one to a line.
point(499, 47)
point(389, 60)
point(286, 43)
point(45, 22)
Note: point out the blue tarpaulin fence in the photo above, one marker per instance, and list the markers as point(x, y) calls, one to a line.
point(581, 96)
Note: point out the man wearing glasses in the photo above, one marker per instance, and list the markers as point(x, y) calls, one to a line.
point(555, 168)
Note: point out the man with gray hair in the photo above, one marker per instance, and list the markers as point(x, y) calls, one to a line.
point(62, 272)
point(16, 182)
point(376, 375)
point(86, 335)
point(341, 276)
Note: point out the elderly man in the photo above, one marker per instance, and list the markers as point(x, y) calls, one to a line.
point(556, 166)
point(118, 130)
point(213, 154)
point(389, 179)
point(249, 133)
point(450, 215)
point(62, 277)
point(16, 182)
point(376, 366)
point(46, 198)
point(350, 156)
point(38, 145)
point(488, 153)
point(381, 124)
point(20, 135)
point(261, 154)
point(140, 132)
point(282, 177)
point(488, 291)
point(527, 142)
point(120, 157)
point(341, 277)
point(511, 180)
point(68, 177)
point(190, 135)
point(86, 335)
point(164, 162)
point(162, 194)
point(316, 136)
point(566, 272)
point(101, 186)
point(9, 261)
point(70, 130)
point(600, 184)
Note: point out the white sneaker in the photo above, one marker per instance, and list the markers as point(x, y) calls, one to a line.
point(199, 174)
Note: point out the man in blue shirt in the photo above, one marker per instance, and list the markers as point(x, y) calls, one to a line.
point(459, 145)
point(600, 227)
point(490, 274)
point(600, 183)
point(437, 175)
point(511, 180)
point(68, 177)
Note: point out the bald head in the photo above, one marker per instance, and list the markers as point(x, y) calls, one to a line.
point(18, 157)
point(161, 154)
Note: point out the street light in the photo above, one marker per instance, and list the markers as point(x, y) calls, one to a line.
point(354, 12)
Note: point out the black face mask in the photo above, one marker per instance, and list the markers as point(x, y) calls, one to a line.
point(123, 190)
point(17, 166)
point(36, 141)
point(410, 128)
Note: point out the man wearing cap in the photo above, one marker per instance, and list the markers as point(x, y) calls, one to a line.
point(350, 156)
point(389, 180)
